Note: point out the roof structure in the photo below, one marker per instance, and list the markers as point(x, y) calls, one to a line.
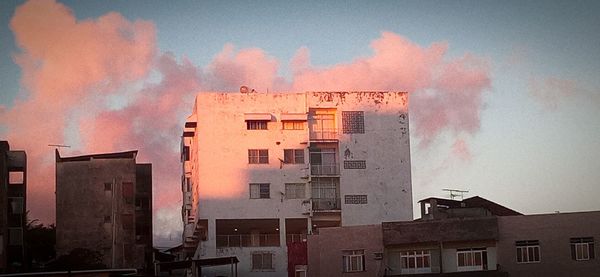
point(117, 155)
point(474, 202)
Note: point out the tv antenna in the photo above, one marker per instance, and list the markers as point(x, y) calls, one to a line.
point(456, 193)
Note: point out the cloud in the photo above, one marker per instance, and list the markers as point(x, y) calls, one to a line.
point(552, 92)
point(72, 70)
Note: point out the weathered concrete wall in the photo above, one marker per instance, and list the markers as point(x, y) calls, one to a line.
point(82, 204)
point(553, 232)
point(325, 250)
point(220, 172)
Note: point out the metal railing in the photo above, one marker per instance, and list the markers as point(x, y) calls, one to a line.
point(321, 204)
point(325, 134)
point(325, 169)
point(247, 240)
point(289, 238)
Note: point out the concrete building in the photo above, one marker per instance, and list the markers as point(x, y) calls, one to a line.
point(261, 171)
point(13, 196)
point(474, 237)
point(104, 203)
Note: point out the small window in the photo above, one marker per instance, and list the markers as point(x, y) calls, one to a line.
point(354, 260)
point(258, 156)
point(128, 192)
point(357, 164)
point(260, 191)
point(353, 122)
point(107, 186)
point(293, 125)
point(582, 249)
point(256, 125)
point(295, 191)
point(127, 221)
point(293, 156)
point(528, 251)
point(355, 199)
point(262, 261)
point(15, 236)
point(185, 153)
point(107, 219)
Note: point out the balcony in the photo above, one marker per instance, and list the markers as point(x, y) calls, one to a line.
point(247, 240)
point(326, 204)
point(324, 135)
point(325, 169)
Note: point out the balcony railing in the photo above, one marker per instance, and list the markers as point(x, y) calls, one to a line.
point(295, 238)
point(325, 134)
point(247, 240)
point(324, 169)
point(324, 204)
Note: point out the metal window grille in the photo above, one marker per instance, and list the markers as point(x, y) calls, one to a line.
point(353, 122)
point(355, 199)
point(260, 191)
point(358, 164)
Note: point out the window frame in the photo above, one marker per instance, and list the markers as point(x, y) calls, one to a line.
point(257, 125)
point(470, 259)
point(296, 188)
point(258, 156)
point(350, 256)
point(580, 243)
point(260, 189)
point(262, 256)
point(293, 156)
point(414, 255)
point(523, 247)
point(294, 124)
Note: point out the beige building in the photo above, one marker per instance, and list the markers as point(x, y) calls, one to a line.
point(13, 196)
point(104, 203)
point(263, 170)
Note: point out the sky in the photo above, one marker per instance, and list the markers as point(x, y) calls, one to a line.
point(504, 95)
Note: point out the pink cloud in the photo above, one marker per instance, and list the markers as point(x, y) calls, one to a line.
point(71, 68)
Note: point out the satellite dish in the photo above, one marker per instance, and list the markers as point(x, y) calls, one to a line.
point(244, 89)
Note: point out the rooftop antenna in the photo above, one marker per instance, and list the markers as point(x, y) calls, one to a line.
point(456, 193)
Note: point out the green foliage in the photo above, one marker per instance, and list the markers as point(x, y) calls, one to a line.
point(78, 259)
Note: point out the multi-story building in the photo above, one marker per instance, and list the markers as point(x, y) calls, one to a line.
point(13, 191)
point(261, 171)
point(473, 237)
point(104, 203)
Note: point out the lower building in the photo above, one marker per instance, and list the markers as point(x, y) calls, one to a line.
point(13, 191)
point(104, 204)
point(474, 237)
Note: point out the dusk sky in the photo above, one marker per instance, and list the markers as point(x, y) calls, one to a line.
point(504, 95)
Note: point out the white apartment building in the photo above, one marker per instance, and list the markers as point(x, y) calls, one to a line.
point(261, 171)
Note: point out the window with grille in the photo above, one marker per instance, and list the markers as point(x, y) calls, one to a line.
point(471, 259)
point(528, 251)
point(262, 261)
point(355, 199)
point(107, 186)
point(353, 122)
point(295, 191)
point(260, 191)
point(293, 156)
point(258, 156)
point(582, 249)
point(415, 261)
point(256, 125)
point(354, 260)
point(355, 164)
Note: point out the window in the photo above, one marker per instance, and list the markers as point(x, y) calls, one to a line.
point(15, 236)
point(256, 125)
point(418, 261)
point(258, 156)
point(471, 259)
point(355, 164)
point(293, 156)
point(107, 186)
point(353, 122)
point(107, 219)
point(293, 125)
point(127, 221)
point(262, 261)
point(355, 199)
point(354, 260)
point(260, 191)
point(528, 251)
point(294, 191)
point(582, 249)
point(128, 192)
point(185, 153)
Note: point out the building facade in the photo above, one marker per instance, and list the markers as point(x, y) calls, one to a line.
point(13, 196)
point(474, 237)
point(104, 203)
point(261, 171)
